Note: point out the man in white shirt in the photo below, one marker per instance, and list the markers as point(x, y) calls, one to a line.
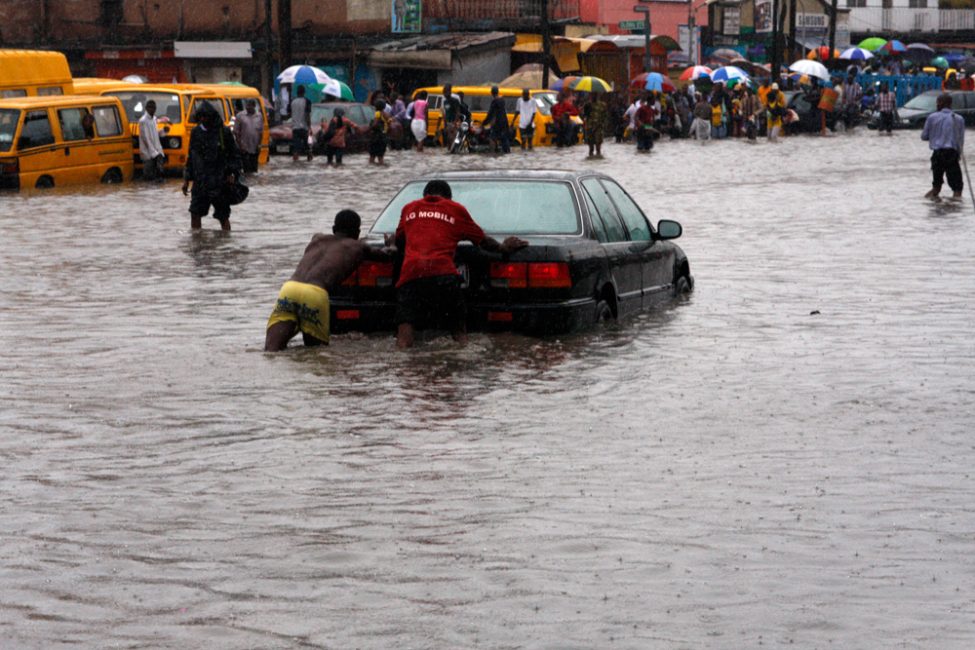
point(248, 128)
point(526, 109)
point(630, 115)
point(150, 147)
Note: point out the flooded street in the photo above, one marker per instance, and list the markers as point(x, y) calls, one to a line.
point(730, 471)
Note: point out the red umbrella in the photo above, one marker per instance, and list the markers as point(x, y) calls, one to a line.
point(639, 82)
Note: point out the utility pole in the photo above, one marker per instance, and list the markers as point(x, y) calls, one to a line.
point(284, 32)
point(832, 29)
point(776, 58)
point(546, 44)
point(691, 53)
point(792, 32)
point(645, 10)
point(267, 78)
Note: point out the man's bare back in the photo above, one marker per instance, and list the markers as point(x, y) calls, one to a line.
point(329, 259)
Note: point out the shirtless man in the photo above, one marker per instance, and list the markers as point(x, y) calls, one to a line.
point(303, 301)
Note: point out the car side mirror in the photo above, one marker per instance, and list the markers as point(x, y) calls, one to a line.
point(667, 229)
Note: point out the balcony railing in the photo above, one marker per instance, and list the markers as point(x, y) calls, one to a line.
point(877, 19)
point(502, 11)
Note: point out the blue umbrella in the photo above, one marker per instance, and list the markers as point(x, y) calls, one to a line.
point(303, 75)
point(728, 72)
point(655, 81)
point(856, 54)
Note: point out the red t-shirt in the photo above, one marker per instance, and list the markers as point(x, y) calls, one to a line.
point(433, 226)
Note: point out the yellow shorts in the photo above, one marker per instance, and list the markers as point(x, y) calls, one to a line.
point(304, 304)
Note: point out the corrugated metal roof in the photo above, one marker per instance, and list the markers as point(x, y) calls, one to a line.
point(448, 41)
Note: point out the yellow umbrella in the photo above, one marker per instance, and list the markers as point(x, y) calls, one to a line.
point(589, 84)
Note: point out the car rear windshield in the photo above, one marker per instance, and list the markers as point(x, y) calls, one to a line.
point(923, 103)
point(167, 104)
point(8, 127)
point(500, 206)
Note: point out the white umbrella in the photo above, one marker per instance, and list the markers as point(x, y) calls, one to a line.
point(811, 68)
point(303, 74)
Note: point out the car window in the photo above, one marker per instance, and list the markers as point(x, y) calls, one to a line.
point(107, 121)
point(509, 207)
point(605, 210)
point(361, 115)
point(46, 91)
point(636, 224)
point(36, 131)
point(801, 104)
point(71, 121)
point(13, 92)
point(598, 228)
point(923, 102)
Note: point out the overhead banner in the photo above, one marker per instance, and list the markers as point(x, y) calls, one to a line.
point(407, 16)
point(763, 16)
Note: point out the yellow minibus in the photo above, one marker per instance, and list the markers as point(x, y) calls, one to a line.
point(55, 141)
point(33, 73)
point(176, 105)
point(478, 99)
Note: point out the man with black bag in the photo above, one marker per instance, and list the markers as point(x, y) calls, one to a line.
point(214, 167)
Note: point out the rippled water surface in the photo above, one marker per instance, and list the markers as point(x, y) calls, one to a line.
point(730, 471)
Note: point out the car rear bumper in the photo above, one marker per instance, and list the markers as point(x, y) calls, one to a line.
point(541, 318)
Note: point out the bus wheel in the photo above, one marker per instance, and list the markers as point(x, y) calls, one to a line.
point(44, 183)
point(112, 176)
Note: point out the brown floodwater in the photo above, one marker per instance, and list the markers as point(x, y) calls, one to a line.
point(783, 458)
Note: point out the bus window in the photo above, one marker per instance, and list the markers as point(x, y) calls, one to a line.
point(50, 90)
point(15, 92)
point(215, 102)
point(134, 102)
point(36, 131)
point(8, 127)
point(107, 121)
point(71, 119)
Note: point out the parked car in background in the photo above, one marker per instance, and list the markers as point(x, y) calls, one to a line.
point(913, 114)
point(808, 116)
point(593, 255)
point(361, 114)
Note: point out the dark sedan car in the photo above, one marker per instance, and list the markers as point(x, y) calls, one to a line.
point(360, 114)
point(592, 255)
point(913, 114)
point(809, 115)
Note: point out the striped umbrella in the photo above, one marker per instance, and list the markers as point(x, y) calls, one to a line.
point(590, 84)
point(856, 54)
point(695, 72)
point(303, 75)
point(724, 73)
point(894, 47)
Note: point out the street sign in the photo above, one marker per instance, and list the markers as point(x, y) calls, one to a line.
point(641, 9)
point(631, 24)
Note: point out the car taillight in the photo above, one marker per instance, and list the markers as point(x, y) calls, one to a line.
point(347, 314)
point(549, 275)
point(371, 274)
point(10, 167)
point(509, 275)
point(536, 275)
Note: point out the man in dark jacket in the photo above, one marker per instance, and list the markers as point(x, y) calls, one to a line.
point(497, 118)
point(213, 163)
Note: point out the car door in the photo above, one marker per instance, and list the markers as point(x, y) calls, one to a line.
point(77, 148)
point(38, 152)
point(624, 261)
point(656, 258)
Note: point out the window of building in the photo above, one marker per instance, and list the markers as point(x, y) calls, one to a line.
point(856, 3)
point(917, 4)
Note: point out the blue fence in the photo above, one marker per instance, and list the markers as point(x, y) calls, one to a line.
point(904, 86)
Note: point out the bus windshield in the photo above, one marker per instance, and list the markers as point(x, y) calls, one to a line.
point(9, 118)
point(134, 101)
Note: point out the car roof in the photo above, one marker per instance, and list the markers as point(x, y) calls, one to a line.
point(55, 101)
point(510, 175)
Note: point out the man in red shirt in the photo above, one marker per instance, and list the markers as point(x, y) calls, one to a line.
point(428, 290)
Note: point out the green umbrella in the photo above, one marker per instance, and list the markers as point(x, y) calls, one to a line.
point(333, 87)
point(872, 44)
point(940, 62)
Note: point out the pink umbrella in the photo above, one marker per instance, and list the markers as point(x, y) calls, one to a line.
point(695, 72)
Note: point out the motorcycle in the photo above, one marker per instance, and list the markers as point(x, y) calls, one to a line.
point(470, 137)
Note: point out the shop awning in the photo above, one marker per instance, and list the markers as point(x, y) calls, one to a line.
point(212, 49)
point(436, 51)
